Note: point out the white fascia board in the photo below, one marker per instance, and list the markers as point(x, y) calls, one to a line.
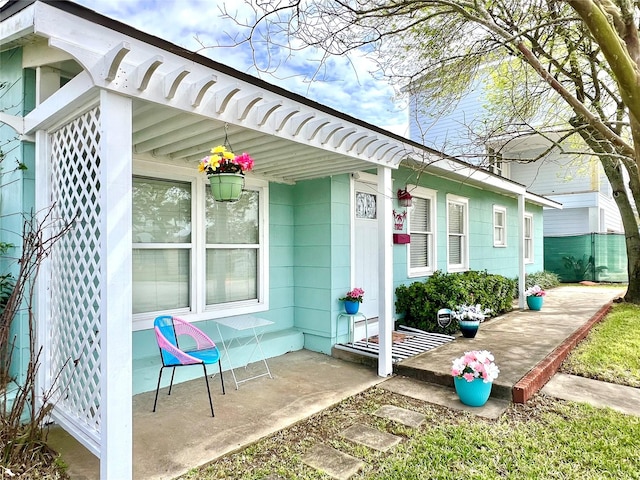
point(542, 201)
point(453, 170)
point(16, 27)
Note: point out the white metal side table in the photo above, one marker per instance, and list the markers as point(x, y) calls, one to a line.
point(353, 318)
point(241, 324)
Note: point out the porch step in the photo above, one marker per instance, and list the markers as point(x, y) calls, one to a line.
point(146, 369)
point(410, 342)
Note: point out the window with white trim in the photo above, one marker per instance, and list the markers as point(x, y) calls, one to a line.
point(195, 256)
point(457, 233)
point(422, 228)
point(497, 164)
point(499, 226)
point(528, 238)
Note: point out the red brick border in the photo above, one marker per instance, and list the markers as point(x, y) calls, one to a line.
point(539, 375)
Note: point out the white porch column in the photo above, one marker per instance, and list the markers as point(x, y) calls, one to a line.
point(116, 443)
point(385, 271)
point(521, 268)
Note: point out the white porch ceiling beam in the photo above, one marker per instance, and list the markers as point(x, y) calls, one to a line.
point(298, 155)
point(195, 152)
point(154, 134)
point(199, 134)
point(324, 164)
point(311, 174)
point(167, 138)
point(144, 122)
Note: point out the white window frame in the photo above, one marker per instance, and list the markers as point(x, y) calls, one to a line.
point(431, 195)
point(497, 212)
point(464, 265)
point(198, 310)
point(529, 258)
point(497, 163)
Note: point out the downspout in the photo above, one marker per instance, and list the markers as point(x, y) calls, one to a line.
point(521, 266)
point(385, 271)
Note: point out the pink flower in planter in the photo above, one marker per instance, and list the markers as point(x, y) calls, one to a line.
point(475, 364)
point(535, 291)
point(354, 295)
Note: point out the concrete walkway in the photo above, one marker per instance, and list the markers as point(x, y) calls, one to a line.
point(182, 434)
point(528, 345)
point(599, 394)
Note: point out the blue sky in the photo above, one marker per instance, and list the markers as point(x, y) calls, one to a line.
point(341, 83)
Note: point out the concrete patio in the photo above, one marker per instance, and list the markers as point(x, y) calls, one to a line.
point(182, 434)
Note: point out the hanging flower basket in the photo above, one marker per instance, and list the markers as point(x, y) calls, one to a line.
point(226, 187)
point(226, 173)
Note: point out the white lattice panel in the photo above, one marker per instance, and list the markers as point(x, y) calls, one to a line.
point(75, 273)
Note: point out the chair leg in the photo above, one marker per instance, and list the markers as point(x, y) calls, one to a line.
point(158, 388)
point(208, 390)
point(171, 384)
point(221, 378)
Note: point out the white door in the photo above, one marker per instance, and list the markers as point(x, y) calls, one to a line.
point(366, 246)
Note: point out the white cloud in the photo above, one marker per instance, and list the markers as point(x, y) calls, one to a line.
point(342, 83)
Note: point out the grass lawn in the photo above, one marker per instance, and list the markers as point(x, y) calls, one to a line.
point(611, 351)
point(544, 439)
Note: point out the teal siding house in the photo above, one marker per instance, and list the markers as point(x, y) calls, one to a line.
point(111, 124)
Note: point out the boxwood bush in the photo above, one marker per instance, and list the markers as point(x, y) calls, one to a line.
point(544, 279)
point(419, 302)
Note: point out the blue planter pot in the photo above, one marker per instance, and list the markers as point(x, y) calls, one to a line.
point(469, 328)
point(351, 307)
point(474, 393)
point(534, 303)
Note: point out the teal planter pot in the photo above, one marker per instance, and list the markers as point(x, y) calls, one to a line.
point(469, 328)
point(474, 393)
point(534, 303)
point(351, 307)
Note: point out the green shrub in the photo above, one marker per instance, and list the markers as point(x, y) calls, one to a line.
point(544, 279)
point(420, 301)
